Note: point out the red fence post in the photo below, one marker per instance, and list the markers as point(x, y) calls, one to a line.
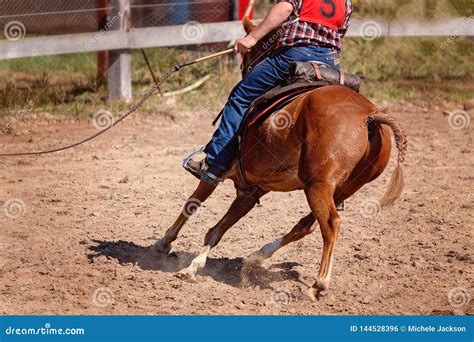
point(102, 56)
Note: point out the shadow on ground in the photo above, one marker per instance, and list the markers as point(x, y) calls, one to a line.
point(224, 270)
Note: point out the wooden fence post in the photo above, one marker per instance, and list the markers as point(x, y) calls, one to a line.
point(120, 61)
point(102, 56)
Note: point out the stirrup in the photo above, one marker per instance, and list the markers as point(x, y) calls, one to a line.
point(341, 207)
point(191, 156)
point(204, 174)
point(211, 179)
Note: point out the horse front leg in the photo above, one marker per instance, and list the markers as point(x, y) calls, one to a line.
point(203, 191)
point(242, 204)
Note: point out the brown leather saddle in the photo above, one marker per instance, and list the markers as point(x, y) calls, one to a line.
point(303, 77)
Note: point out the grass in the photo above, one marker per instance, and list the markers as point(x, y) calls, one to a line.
point(426, 9)
point(409, 58)
point(67, 84)
point(408, 68)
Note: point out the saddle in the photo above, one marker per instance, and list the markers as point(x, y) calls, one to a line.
point(303, 77)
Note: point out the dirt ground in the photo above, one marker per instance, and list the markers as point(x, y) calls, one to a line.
point(77, 227)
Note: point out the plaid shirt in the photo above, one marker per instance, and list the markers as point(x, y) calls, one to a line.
point(297, 32)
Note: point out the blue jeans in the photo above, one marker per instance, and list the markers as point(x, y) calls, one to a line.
point(272, 70)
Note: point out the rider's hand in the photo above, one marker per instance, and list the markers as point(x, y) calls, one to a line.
point(245, 44)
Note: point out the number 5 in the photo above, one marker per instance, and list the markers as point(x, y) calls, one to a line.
point(331, 13)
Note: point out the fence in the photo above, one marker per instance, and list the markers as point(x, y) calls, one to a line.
point(48, 17)
point(119, 36)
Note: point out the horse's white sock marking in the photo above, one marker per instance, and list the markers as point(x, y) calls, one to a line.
point(271, 247)
point(265, 252)
point(200, 260)
point(197, 263)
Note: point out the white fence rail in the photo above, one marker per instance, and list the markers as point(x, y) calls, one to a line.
point(167, 36)
point(117, 40)
point(122, 41)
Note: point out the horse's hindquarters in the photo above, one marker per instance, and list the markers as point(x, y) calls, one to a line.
point(371, 165)
point(270, 158)
point(319, 137)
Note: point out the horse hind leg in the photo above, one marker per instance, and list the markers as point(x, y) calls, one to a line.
point(202, 192)
point(304, 227)
point(321, 202)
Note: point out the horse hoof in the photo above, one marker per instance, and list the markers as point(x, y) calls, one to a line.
point(162, 247)
point(253, 260)
point(311, 293)
point(186, 275)
point(314, 294)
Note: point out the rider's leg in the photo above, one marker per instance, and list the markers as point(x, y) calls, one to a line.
point(264, 76)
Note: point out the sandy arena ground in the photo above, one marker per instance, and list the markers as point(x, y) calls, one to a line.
point(81, 241)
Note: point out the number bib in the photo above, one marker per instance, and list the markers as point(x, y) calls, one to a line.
point(330, 13)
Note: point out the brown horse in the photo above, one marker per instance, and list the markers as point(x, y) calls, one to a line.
point(328, 142)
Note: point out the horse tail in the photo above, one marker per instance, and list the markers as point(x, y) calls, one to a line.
point(396, 183)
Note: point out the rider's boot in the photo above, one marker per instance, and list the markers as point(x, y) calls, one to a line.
point(201, 170)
